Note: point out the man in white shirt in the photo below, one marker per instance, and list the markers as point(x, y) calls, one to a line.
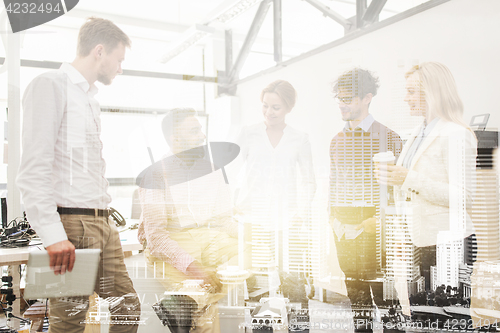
point(61, 177)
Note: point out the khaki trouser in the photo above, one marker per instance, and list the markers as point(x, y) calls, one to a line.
point(209, 247)
point(89, 232)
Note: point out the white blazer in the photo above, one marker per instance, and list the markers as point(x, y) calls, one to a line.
point(440, 184)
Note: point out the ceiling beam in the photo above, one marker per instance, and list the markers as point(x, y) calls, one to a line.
point(126, 72)
point(277, 32)
point(373, 11)
point(330, 13)
point(250, 39)
point(360, 11)
point(228, 43)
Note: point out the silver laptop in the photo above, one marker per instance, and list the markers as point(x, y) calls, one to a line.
point(41, 282)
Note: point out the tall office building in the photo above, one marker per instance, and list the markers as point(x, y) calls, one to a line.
point(464, 280)
point(293, 247)
point(450, 248)
point(300, 247)
point(449, 258)
point(485, 210)
point(485, 213)
point(263, 246)
point(402, 257)
point(433, 283)
point(485, 217)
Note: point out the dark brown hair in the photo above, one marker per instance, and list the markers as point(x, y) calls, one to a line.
point(359, 82)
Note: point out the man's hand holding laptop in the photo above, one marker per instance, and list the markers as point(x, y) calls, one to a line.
point(62, 257)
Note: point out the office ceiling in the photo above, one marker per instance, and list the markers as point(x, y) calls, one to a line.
point(155, 26)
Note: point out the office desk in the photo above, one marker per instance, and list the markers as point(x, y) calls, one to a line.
point(14, 257)
point(20, 255)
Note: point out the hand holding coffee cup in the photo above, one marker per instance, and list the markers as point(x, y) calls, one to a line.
point(386, 172)
point(382, 160)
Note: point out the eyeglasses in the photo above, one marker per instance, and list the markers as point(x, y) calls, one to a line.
point(345, 100)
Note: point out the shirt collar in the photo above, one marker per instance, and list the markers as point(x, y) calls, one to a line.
point(78, 79)
point(365, 124)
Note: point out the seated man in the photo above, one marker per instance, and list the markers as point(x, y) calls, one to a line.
point(186, 223)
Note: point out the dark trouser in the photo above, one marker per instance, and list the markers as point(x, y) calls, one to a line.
point(357, 259)
point(89, 232)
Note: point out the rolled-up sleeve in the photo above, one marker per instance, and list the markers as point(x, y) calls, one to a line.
point(154, 222)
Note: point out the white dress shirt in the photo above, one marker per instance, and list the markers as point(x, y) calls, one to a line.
point(365, 124)
point(62, 162)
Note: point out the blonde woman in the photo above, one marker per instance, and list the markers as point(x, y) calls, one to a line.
point(435, 174)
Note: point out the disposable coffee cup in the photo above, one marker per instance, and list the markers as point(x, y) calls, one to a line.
point(385, 158)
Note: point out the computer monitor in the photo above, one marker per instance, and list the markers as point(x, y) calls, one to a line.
point(480, 121)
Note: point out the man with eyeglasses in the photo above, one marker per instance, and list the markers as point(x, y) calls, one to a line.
point(355, 195)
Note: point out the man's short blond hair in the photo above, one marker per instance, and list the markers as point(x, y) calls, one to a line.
point(100, 31)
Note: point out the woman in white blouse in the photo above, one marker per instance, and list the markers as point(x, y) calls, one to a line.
point(277, 181)
point(434, 176)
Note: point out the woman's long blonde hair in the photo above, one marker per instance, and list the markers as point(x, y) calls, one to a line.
point(440, 90)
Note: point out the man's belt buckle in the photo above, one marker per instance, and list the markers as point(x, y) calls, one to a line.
point(105, 212)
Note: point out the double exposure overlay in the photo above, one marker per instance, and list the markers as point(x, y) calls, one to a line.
point(250, 166)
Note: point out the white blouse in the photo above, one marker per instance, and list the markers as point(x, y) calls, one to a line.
point(276, 183)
